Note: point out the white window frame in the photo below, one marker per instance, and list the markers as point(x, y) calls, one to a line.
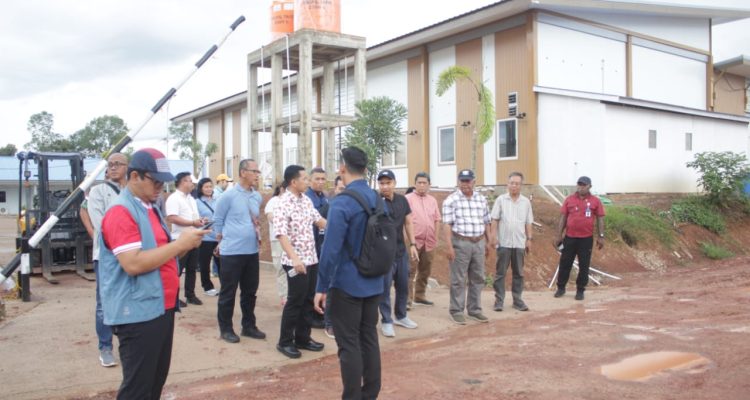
point(228, 167)
point(389, 159)
point(440, 145)
point(497, 133)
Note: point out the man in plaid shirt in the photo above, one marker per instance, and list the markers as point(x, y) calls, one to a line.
point(467, 220)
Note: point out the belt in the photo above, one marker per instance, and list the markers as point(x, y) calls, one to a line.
point(473, 239)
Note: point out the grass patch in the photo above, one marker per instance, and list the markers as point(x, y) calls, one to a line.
point(700, 211)
point(715, 252)
point(636, 224)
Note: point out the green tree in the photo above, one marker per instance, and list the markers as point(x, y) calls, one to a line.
point(722, 174)
point(42, 136)
point(99, 135)
point(485, 120)
point(8, 150)
point(377, 130)
point(188, 147)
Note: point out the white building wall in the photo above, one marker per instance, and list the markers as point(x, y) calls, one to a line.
point(668, 78)
point(488, 76)
point(610, 144)
point(442, 113)
point(574, 60)
point(244, 135)
point(571, 140)
point(392, 81)
point(692, 32)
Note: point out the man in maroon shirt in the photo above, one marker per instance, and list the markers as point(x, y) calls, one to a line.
point(576, 234)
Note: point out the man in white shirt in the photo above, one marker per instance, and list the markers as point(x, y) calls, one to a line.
point(512, 219)
point(182, 213)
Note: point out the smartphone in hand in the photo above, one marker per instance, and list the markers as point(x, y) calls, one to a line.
point(208, 225)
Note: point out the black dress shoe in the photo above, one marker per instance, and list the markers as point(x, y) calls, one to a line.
point(289, 351)
point(311, 346)
point(579, 295)
point(194, 300)
point(182, 304)
point(230, 337)
point(254, 333)
point(559, 292)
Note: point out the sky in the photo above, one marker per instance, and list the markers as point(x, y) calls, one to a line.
point(80, 59)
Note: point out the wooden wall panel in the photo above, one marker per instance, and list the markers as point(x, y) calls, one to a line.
point(515, 72)
point(729, 93)
point(418, 145)
point(468, 55)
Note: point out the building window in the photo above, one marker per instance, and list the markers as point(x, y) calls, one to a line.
point(447, 145)
point(651, 139)
point(507, 138)
point(228, 167)
point(2, 196)
point(398, 157)
point(689, 141)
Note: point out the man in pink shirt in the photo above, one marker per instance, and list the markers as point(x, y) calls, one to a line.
point(426, 221)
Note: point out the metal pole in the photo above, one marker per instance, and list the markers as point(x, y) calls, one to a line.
point(91, 177)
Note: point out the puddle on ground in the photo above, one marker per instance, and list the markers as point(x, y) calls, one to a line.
point(643, 367)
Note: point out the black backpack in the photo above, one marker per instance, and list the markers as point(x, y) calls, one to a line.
point(379, 244)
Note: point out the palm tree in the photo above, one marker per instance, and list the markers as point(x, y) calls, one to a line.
point(485, 114)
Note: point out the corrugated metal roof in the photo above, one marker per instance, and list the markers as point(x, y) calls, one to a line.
point(60, 169)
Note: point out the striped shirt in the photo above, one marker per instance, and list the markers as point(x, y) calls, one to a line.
point(513, 217)
point(467, 215)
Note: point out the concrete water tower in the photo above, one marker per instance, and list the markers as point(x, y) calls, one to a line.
point(313, 53)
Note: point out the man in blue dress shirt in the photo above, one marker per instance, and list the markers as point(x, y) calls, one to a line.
point(354, 298)
point(235, 224)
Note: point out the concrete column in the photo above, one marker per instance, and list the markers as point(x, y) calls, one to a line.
point(253, 116)
point(304, 103)
point(327, 105)
point(360, 75)
point(277, 138)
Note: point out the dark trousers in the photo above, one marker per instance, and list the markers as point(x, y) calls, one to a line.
point(355, 323)
point(145, 353)
point(205, 254)
point(188, 264)
point(237, 270)
point(399, 278)
point(572, 247)
point(296, 318)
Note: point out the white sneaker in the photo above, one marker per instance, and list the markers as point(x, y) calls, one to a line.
point(406, 322)
point(387, 330)
point(106, 358)
point(211, 292)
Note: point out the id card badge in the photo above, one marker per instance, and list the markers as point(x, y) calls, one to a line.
point(588, 213)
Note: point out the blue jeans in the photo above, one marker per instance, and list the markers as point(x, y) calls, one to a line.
point(399, 277)
point(104, 332)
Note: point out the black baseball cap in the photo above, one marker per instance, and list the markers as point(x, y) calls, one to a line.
point(387, 173)
point(152, 161)
point(466, 175)
point(584, 180)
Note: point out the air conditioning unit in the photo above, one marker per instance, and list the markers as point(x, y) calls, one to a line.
point(3, 211)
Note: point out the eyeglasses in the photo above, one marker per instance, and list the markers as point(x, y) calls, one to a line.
point(156, 183)
point(256, 171)
point(116, 164)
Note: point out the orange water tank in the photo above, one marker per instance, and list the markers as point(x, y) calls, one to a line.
point(282, 18)
point(321, 15)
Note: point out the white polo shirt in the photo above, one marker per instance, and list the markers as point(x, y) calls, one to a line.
point(184, 206)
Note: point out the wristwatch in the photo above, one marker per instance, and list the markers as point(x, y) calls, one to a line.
point(601, 235)
point(413, 244)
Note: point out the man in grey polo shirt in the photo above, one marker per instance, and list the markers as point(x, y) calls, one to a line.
point(512, 219)
point(100, 198)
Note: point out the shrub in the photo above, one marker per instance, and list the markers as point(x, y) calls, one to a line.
point(715, 252)
point(722, 174)
point(699, 211)
point(635, 223)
